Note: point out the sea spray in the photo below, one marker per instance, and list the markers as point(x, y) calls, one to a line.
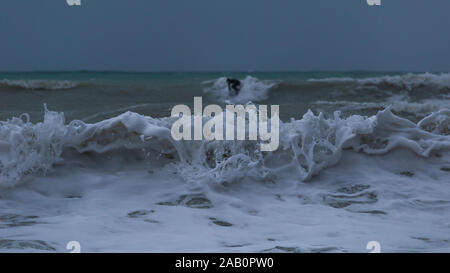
point(226, 124)
point(307, 145)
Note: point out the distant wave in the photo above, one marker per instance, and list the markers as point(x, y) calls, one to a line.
point(307, 145)
point(402, 82)
point(38, 84)
point(419, 109)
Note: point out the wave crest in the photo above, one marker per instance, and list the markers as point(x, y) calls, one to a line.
point(401, 82)
point(252, 89)
point(307, 145)
point(38, 84)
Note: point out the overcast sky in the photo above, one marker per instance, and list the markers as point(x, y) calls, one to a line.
point(193, 35)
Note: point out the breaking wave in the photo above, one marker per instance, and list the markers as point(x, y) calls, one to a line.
point(307, 145)
point(418, 109)
point(401, 82)
point(252, 89)
point(38, 84)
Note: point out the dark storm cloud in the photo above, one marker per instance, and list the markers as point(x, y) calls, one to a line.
point(166, 35)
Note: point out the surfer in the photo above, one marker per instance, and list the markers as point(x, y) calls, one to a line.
point(234, 85)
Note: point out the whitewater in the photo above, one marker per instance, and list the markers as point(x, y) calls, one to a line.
point(350, 169)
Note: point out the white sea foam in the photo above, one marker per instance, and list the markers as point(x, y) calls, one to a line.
point(122, 184)
point(307, 145)
point(419, 109)
point(335, 183)
point(403, 82)
point(38, 84)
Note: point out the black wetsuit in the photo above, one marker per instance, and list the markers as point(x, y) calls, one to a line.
point(234, 85)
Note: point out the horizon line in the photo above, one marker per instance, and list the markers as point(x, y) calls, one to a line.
point(220, 71)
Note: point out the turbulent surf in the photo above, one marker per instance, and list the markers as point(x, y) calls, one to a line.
point(360, 155)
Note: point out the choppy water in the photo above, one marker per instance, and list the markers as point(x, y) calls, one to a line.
point(363, 157)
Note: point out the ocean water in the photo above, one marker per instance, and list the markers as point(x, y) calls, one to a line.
point(88, 157)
